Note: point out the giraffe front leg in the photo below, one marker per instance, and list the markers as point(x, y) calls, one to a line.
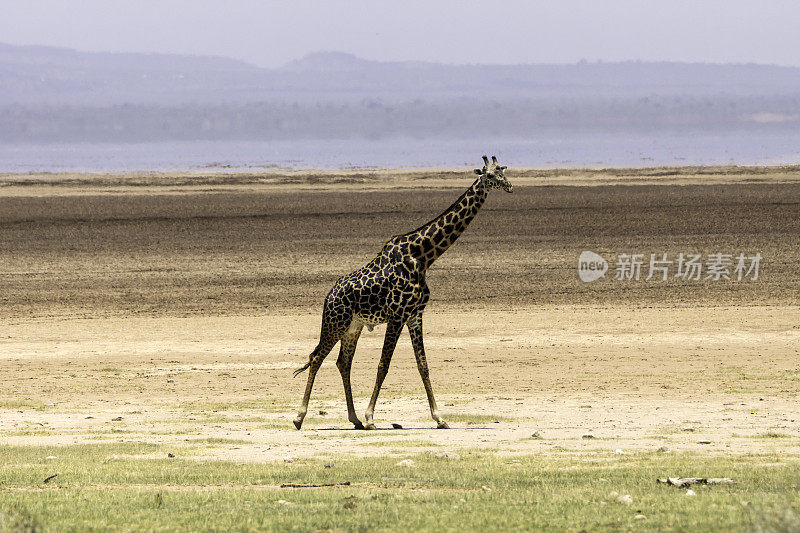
point(393, 329)
point(415, 330)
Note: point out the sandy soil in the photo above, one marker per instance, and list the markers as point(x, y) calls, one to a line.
point(180, 303)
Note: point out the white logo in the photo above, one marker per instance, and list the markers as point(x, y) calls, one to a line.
point(687, 267)
point(591, 266)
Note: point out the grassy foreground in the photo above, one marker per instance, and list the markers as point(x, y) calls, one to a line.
point(136, 486)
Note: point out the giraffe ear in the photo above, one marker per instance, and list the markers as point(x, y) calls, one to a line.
point(478, 171)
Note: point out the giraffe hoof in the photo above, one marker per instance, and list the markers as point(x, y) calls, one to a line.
point(442, 425)
point(298, 423)
point(369, 426)
point(358, 424)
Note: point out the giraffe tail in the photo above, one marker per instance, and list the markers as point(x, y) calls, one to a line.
point(311, 358)
point(302, 369)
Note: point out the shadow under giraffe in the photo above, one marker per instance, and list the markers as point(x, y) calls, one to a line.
point(391, 289)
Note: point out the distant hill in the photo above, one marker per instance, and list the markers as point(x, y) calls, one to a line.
point(50, 57)
point(36, 75)
point(55, 76)
point(55, 94)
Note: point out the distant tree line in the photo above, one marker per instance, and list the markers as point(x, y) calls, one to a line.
point(370, 119)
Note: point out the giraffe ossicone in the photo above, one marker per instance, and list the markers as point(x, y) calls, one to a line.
point(391, 290)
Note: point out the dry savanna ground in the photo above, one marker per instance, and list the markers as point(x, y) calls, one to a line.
point(168, 310)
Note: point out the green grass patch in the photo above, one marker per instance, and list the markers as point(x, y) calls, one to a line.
point(474, 420)
point(26, 433)
point(17, 403)
point(344, 434)
point(773, 435)
point(479, 492)
point(748, 380)
point(218, 440)
point(686, 428)
point(277, 424)
point(178, 431)
point(401, 442)
point(260, 404)
point(196, 418)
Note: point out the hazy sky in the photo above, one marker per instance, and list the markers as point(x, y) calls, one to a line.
point(515, 31)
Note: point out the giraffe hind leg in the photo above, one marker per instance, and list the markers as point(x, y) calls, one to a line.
point(344, 363)
point(327, 341)
point(415, 330)
point(393, 329)
point(336, 319)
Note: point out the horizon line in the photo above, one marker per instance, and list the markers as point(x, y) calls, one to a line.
point(580, 62)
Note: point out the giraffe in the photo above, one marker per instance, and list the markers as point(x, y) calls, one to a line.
point(391, 289)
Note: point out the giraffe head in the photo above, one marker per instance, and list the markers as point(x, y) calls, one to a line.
point(492, 175)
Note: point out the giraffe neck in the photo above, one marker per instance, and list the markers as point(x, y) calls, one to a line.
point(435, 237)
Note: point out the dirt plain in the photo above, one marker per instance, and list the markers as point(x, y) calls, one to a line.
point(172, 308)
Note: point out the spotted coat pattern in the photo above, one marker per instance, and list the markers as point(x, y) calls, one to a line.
point(391, 289)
